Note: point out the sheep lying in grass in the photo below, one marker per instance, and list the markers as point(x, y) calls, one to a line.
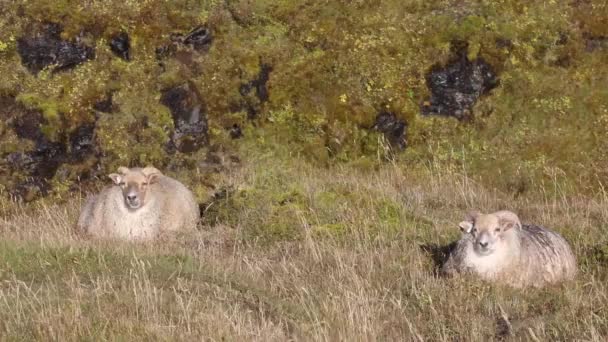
point(139, 205)
point(498, 248)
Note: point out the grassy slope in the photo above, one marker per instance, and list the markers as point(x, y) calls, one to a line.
point(302, 250)
point(298, 251)
point(335, 66)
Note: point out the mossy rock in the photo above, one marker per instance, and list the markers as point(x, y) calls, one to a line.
point(316, 77)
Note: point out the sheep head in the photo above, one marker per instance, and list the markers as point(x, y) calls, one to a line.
point(134, 184)
point(489, 230)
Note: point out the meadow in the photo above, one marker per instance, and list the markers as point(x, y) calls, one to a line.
point(294, 251)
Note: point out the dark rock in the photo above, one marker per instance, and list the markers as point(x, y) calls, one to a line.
point(438, 253)
point(261, 91)
point(199, 39)
point(120, 44)
point(456, 86)
point(27, 124)
point(46, 48)
point(165, 51)
point(259, 84)
point(106, 105)
point(46, 157)
point(30, 189)
point(394, 129)
point(236, 132)
point(28, 173)
point(41, 163)
point(189, 117)
point(21, 161)
point(82, 143)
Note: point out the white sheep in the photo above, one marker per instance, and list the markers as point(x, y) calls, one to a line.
point(139, 205)
point(497, 247)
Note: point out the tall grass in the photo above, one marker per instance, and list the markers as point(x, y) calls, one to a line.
point(297, 252)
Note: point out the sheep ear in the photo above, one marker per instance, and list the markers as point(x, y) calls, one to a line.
point(508, 220)
point(152, 173)
point(466, 226)
point(472, 215)
point(507, 224)
point(469, 221)
point(116, 178)
point(123, 170)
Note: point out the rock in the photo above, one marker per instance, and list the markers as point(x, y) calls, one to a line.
point(31, 171)
point(199, 39)
point(46, 48)
point(261, 91)
point(43, 161)
point(393, 128)
point(106, 105)
point(82, 143)
point(48, 156)
point(27, 173)
point(236, 132)
point(456, 86)
point(120, 44)
point(30, 190)
point(189, 117)
point(26, 123)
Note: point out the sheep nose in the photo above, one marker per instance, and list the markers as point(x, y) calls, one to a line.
point(131, 197)
point(483, 244)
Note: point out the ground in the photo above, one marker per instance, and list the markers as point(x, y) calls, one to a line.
point(292, 250)
point(333, 147)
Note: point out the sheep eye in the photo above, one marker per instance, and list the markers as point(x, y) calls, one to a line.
point(497, 230)
point(121, 183)
point(144, 184)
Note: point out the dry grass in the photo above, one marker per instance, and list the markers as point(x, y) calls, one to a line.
point(356, 264)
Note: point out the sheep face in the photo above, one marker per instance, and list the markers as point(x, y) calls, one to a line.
point(134, 184)
point(490, 231)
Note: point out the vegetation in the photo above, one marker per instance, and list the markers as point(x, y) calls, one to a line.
point(331, 68)
point(294, 251)
point(315, 225)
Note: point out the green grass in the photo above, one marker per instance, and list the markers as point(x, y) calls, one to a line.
point(358, 263)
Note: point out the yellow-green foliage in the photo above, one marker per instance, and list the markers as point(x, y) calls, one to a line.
point(335, 65)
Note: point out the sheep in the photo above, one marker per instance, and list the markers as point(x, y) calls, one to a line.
point(140, 204)
point(497, 247)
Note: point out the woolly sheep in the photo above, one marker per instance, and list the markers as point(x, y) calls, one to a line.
point(139, 205)
point(497, 247)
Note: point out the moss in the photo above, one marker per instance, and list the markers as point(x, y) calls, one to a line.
point(334, 67)
point(331, 230)
point(51, 112)
point(389, 213)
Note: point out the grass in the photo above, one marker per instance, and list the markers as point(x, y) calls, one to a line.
point(322, 233)
point(295, 251)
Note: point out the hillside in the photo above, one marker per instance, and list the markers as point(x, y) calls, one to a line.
point(333, 147)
